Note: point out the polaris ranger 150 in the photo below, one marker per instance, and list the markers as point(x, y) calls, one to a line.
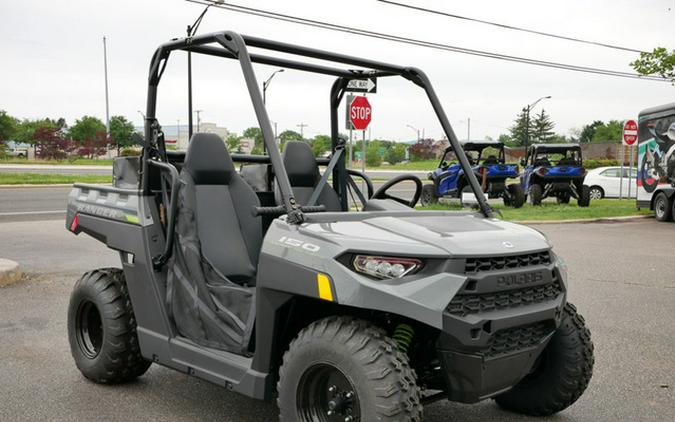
point(490, 169)
point(282, 292)
point(555, 170)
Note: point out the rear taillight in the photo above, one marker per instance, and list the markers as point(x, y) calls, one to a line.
point(76, 221)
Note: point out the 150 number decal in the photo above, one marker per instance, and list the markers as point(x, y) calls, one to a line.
point(299, 244)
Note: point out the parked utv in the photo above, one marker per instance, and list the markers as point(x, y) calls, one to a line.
point(284, 292)
point(490, 168)
point(555, 170)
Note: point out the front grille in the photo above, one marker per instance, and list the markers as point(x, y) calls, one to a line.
point(514, 339)
point(462, 305)
point(476, 265)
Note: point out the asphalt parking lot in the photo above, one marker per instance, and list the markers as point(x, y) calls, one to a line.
point(621, 279)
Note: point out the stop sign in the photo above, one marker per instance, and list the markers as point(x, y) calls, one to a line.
point(360, 113)
point(630, 132)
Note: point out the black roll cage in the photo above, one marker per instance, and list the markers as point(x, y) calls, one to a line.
point(545, 149)
point(479, 147)
point(231, 45)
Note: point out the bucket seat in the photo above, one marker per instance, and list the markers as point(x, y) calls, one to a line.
point(222, 204)
point(303, 175)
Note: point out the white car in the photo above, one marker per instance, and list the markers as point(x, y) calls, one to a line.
point(605, 182)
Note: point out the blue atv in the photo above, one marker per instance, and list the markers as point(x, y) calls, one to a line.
point(488, 163)
point(555, 170)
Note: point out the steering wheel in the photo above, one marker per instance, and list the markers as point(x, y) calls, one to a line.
point(381, 192)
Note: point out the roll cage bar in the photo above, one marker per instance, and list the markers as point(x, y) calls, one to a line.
point(231, 45)
point(478, 146)
point(534, 151)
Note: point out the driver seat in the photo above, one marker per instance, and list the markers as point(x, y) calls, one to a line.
point(303, 175)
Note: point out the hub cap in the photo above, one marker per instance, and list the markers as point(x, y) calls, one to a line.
point(326, 394)
point(89, 328)
point(660, 207)
point(596, 194)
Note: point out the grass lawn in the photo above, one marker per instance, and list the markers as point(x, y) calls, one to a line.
point(46, 179)
point(79, 161)
point(553, 211)
point(412, 165)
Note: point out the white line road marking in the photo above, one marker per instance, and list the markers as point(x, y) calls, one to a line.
point(9, 214)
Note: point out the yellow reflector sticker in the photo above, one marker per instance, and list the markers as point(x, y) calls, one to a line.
point(325, 291)
point(131, 218)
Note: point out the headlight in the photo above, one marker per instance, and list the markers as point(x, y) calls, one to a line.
point(385, 267)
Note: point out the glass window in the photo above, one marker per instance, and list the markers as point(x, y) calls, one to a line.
point(611, 173)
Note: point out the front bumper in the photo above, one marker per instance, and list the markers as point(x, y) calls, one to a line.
point(497, 326)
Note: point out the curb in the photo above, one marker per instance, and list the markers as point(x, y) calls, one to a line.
point(9, 272)
point(622, 219)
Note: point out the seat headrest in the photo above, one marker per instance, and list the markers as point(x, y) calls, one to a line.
point(300, 164)
point(208, 161)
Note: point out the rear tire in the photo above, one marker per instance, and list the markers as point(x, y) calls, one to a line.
point(102, 328)
point(597, 192)
point(584, 196)
point(663, 208)
point(428, 195)
point(350, 368)
point(563, 372)
point(535, 195)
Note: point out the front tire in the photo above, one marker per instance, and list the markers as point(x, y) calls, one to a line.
point(662, 207)
point(339, 368)
point(102, 328)
point(563, 372)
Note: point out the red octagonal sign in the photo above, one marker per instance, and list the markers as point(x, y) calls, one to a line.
point(360, 113)
point(630, 132)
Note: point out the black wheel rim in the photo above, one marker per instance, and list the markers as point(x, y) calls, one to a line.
point(325, 394)
point(89, 329)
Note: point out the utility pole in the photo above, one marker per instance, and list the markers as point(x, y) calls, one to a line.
point(302, 129)
point(105, 73)
point(468, 128)
point(199, 120)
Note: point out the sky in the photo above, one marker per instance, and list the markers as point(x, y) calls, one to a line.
point(52, 62)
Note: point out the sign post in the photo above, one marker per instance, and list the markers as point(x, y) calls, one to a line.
point(360, 115)
point(630, 136)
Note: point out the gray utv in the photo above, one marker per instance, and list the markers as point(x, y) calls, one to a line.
point(269, 281)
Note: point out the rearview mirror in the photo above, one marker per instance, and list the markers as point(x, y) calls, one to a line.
point(671, 132)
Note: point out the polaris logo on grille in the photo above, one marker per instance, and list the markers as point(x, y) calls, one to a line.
point(507, 244)
point(520, 279)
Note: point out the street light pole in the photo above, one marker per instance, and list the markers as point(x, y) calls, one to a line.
point(527, 119)
point(415, 130)
point(266, 84)
point(105, 73)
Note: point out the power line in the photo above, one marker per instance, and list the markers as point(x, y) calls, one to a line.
point(422, 43)
point(514, 28)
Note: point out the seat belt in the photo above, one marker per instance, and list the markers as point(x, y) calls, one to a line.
point(324, 178)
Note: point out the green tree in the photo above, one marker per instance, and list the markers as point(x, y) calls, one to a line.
point(25, 130)
point(121, 132)
point(256, 134)
point(8, 126)
point(395, 153)
point(520, 128)
point(542, 128)
point(321, 144)
point(288, 135)
point(659, 62)
point(506, 139)
point(588, 131)
point(610, 131)
point(86, 129)
point(233, 143)
point(373, 157)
